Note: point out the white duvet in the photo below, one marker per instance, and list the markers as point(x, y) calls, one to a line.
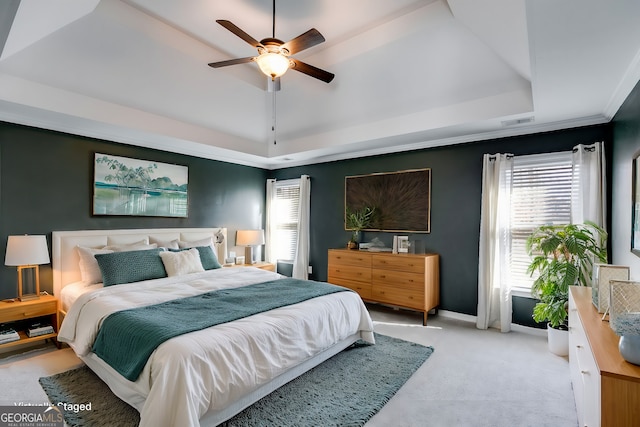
point(208, 370)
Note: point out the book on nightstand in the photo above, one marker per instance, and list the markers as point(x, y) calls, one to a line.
point(8, 334)
point(38, 329)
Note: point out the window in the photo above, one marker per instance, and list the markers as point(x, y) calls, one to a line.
point(540, 194)
point(285, 210)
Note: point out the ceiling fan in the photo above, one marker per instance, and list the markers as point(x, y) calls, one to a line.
point(274, 55)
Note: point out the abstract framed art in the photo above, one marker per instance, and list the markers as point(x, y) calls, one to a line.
point(401, 200)
point(133, 187)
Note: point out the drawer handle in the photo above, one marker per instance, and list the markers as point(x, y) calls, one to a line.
point(584, 372)
point(579, 346)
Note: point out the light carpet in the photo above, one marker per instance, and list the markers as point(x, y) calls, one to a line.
point(346, 390)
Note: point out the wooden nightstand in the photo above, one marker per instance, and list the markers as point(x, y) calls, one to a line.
point(18, 311)
point(262, 265)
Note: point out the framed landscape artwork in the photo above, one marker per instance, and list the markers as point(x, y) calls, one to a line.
point(124, 186)
point(401, 200)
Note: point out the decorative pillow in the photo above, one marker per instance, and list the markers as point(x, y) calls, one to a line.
point(89, 269)
point(137, 246)
point(169, 244)
point(207, 257)
point(131, 266)
point(182, 262)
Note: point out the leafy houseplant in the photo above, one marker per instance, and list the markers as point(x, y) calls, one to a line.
point(563, 255)
point(356, 221)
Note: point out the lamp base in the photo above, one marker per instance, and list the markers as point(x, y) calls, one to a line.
point(32, 275)
point(248, 255)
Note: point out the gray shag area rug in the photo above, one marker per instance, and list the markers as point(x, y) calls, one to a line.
point(346, 390)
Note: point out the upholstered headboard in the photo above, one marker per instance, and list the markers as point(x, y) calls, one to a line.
point(65, 257)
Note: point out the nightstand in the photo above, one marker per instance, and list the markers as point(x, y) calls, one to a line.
point(262, 265)
point(22, 311)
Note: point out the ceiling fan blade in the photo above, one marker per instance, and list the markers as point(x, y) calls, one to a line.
point(231, 62)
point(304, 41)
point(312, 71)
point(238, 32)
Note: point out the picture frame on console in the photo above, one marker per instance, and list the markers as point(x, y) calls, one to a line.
point(635, 206)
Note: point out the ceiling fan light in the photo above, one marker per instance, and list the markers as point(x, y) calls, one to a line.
point(273, 64)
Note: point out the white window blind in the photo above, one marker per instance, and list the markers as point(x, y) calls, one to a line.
point(285, 216)
point(540, 194)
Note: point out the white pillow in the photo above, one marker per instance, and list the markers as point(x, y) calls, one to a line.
point(183, 262)
point(89, 268)
point(169, 244)
point(195, 243)
point(137, 246)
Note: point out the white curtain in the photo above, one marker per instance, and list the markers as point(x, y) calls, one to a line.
point(301, 260)
point(269, 224)
point(494, 294)
point(588, 192)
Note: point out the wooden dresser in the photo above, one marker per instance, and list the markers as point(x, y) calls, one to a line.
point(606, 387)
point(404, 280)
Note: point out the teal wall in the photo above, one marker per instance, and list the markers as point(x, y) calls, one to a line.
point(626, 136)
point(455, 203)
point(46, 184)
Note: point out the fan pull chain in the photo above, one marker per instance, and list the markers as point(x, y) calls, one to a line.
point(273, 118)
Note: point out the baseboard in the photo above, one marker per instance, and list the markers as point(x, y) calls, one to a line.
point(473, 319)
point(457, 316)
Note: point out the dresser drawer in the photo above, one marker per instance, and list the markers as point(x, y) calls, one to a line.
point(363, 289)
point(397, 279)
point(350, 258)
point(359, 274)
point(411, 264)
point(409, 298)
point(27, 311)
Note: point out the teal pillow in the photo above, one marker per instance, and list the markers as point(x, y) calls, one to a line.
point(130, 266)
point(208, 258)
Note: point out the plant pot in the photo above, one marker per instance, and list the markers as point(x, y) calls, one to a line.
point(558, 341)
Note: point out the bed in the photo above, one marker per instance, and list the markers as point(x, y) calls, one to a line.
point(206, 376)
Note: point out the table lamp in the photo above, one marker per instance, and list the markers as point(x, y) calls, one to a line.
point(27, 253)
point(249, 239)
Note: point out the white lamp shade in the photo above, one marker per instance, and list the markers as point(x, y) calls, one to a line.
point(273, 64)
point(250, 237)
point(26, 250)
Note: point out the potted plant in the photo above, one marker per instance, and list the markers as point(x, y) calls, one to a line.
point(356, 221)
point(562, 255)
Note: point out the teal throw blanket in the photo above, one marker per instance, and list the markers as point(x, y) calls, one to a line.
point(128, 337)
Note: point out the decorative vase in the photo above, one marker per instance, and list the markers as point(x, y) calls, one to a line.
point(629, 347)
point(624, 317)
point(558, 341)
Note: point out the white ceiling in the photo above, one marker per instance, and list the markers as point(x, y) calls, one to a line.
point(409, 73)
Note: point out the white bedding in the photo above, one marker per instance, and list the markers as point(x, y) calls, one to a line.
point(72, 292)
point(205, 371)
